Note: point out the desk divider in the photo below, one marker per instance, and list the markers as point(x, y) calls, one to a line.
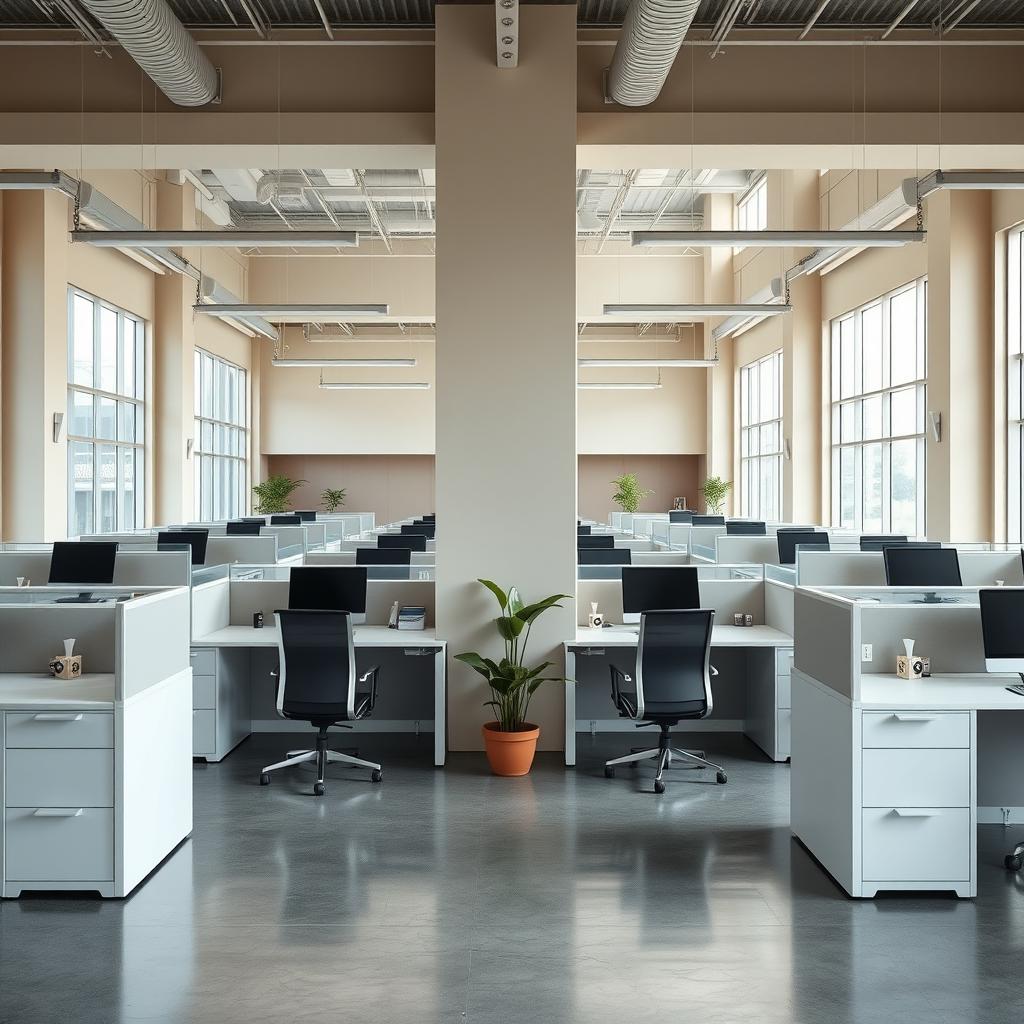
point(131, 568)
point(152, 640)
point(840, 569)
point(727, 597)
point(826, 636)
point(348, 557)
point(778, 605)
point(737, 549)
point(211, 607)
point(260, 550)
point(31, 635)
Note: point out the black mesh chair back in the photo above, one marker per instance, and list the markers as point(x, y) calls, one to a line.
point(595, 540)
point(672, 664)
point(680, 516)
point(243, 528)
point(582, 531)
point(318, 666)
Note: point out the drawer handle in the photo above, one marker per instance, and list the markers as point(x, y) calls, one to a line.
point(57, 812)
point(56, 716)
point(904, 717)
point(913, 812)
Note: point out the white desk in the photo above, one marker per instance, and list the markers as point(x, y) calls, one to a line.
point(770, 714)
point(221, 719)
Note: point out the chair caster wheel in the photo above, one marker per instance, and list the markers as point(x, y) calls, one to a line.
point(609, 773)
point(721, 778)
point(1013, 861)
point(264, 778)
point(319, 789)
point(659, 786)
point(376, 775)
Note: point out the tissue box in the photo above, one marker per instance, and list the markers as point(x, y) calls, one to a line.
point(910, 668)
point(595, 620)
point(63, 667)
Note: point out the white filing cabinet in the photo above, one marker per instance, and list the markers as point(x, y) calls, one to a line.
point(221, 701)
point(768, 700)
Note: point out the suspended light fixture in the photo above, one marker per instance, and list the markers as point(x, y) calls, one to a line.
point(219, 239)
point(619, 385)
point(341, 363)
point(294, 312)
point(796, 239)
point(345, 385)
point(671, 312)
point(667, 363)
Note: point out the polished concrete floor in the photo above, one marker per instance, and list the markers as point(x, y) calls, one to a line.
point(457, 897)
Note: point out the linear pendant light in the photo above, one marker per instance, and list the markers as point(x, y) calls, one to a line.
point(294, 312)
point(618, 386)
point(345, 385)
point(670, 363)
point(808, 239)
point(341, 363)
point(667, 311)
point(225, 239)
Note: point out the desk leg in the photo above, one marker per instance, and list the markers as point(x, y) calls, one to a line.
point(440, 707)
point(570, 708)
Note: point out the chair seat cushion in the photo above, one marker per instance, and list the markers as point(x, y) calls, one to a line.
point(305, 712)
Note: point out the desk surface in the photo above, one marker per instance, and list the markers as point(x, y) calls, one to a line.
point(968, 692)
point(721, 636)
point(25, 691)
point(365, 636)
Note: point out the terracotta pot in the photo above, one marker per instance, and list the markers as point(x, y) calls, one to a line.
point(510, 753)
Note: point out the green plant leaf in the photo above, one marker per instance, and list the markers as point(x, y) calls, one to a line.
point(499, 594)
point(515, 602)
point(478, 664)
point(531, 611)
point(509, 626)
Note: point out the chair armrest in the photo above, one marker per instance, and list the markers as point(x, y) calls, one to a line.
point(371, 674)
point(713, 670)
point(618, 678)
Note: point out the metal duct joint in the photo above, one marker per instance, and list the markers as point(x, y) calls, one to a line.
point(153, 36)
point(651, 36)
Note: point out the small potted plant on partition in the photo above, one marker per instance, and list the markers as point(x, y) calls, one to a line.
point(715, 490)
point(511, 739)
point(628, 496)
point(332, 498)
point(274, 494)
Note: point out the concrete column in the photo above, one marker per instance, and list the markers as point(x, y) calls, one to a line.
point(960, 369)
point(506, 341)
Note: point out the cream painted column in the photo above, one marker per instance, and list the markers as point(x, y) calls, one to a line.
point(506, 341)
point(174, 345)
point(722, 460)
point(960, 366)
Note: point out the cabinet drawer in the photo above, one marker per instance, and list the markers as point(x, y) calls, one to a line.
point(783, 662)
point(60, 729)
point(916, 844)
point(783, 689)
point(204, 692)
point(59, 778)
point(916, 729)
point(204, 732)
point(916, 778)
point(783, 731)
point(67, 844)
point(203, 660)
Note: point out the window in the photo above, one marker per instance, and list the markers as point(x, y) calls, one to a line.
point(1015, 391)
point(752, 209)
point(221, 438)
point(105, 417)
point(761, 438)
point(878, 414)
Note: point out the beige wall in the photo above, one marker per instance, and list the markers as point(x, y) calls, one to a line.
point(666, 476)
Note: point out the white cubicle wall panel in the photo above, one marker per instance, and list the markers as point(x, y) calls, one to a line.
point(131, 568)
point(153, 636)
point(726, 597)
point(260, 550)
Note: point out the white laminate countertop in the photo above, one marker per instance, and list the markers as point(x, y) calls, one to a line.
point(721, 636)
point(941, 692)
point(365, 636)
point(26, 691)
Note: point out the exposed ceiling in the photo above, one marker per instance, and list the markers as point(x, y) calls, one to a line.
point(791, 16)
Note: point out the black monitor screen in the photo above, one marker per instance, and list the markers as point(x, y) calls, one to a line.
point(582, 531)
point(659, 588)
point(244, 529)
point(307, 515)
point(748, 529)
point(789, 540)
point(383, 556)
point(412, 541)
point(595, 540)
point(708, 520)
point(195, 539)
point(254, 519)
point(426, 529)
point(83, 562)
point(680, 517)
point(333, 588)
point(1002, 614)
point(289, 520)
point(875, 542)
point(921, 567)
point(603, 556)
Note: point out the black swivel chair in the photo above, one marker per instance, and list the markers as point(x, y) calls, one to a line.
point(672, 684)
point(317, 683)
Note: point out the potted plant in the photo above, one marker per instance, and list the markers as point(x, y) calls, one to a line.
point(629, 493)
point(273, 494)
point(511, 739)
point(332, 499)
point(715, 490)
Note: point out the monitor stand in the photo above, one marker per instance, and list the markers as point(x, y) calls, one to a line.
point(85, 597)
point(933, 598)
point(1019, 688)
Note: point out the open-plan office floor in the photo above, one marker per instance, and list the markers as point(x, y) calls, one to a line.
point(454, 896)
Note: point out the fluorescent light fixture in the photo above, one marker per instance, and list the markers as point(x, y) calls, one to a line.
point(771, 294)
point(670, 363)
point(806, 239)
point(972, 180)
point(344, 385)
point(618, 386)
point(293, 312)
point(651, 311)
point(342, 363)
point(224, 239)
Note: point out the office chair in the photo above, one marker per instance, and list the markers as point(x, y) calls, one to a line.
point(672, 684)
point(317, 683)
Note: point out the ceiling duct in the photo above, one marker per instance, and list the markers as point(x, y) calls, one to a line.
point(160, 45)
point(650, 39)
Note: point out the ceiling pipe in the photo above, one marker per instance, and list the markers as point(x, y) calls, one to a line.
point(160, 45)
point(650, 39)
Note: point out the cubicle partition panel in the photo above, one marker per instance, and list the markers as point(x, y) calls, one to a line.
point(825, 637)
point(726, 597)
point(778, 605)
point(741, 548)
point(211, 606)
point(31, 634)
point(644, 522)
point(984, 568)
point(291, 541)
point(131, 568)
point(153, 635)
point(867, 568)
point(702, 543)
point(260, 550)
point(425, 559)
point(672, 536)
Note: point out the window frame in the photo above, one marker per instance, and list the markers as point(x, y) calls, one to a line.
point(755, 197)
point(121, 399)
point(754, 503)
point(848, 401)
point(1015, 387)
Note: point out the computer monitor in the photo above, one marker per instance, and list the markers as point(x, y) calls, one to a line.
point(307, 515)
point(650, 588)
point(425, 529)
point(603, 556)
point(335, 588)
point(582, 531)
point(1002, 613)
point(286, 520)
point(195, 539)
point(82, 564)
point(745, 528)
point(789, 540)
point(911, 566)
point(877, 541)
point(595, 540)
point(412, 541)
point(243, 528)
point(383, 556)
point(254, 519)
point(680, 517)
point(708, 520)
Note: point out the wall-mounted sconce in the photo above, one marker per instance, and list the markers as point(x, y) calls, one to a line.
point(58, 426)
point(935, 422)
point(189, 442)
